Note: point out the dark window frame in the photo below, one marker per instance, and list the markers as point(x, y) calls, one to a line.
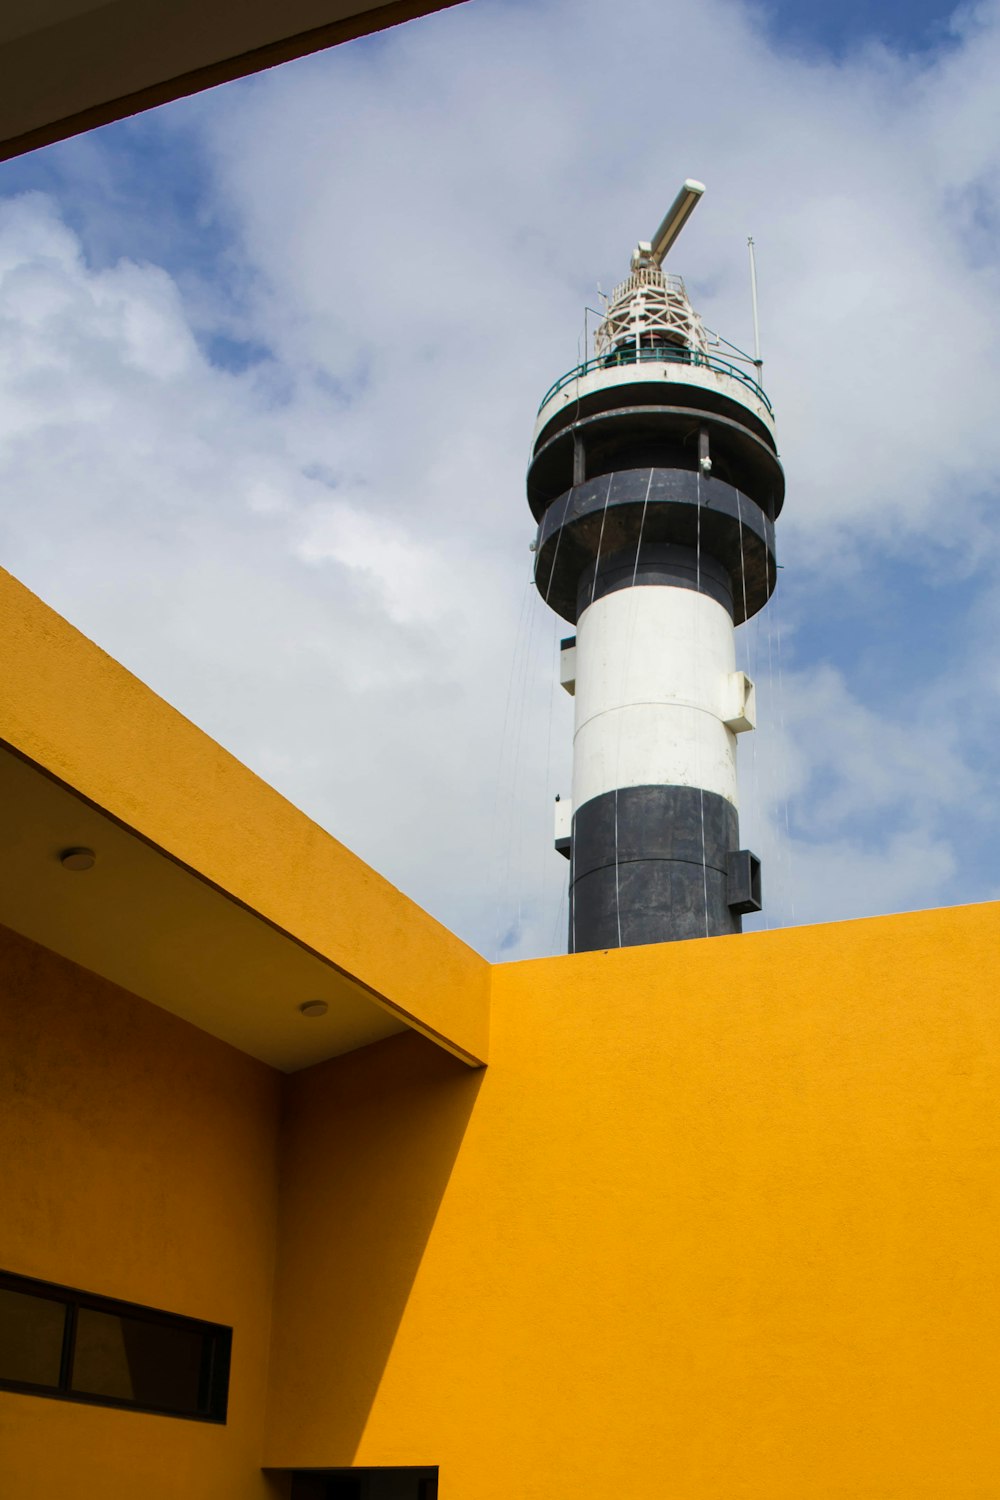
point(216, 1352)
point(312, 1484)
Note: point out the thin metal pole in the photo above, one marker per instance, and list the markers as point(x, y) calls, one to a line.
point(753, 298)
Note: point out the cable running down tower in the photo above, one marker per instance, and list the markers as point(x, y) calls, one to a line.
point(655, 482)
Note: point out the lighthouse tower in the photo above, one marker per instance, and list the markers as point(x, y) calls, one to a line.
point(655, 482)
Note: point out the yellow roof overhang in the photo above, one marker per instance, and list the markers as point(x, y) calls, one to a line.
point(70, 65)
point(211, 896)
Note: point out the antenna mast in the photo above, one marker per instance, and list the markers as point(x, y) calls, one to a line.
point(753, 298)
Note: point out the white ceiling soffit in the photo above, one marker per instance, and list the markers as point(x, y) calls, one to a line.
point(148, 924)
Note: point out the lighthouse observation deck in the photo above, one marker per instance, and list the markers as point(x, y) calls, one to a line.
point(659, 376)
point(663, 355)
point(679, 364)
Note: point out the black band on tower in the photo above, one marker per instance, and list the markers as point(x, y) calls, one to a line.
point(650, 864)
point(676, 567)
point(657, 507)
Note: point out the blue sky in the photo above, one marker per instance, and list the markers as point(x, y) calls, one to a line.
point(269, 360)
point(836, 30)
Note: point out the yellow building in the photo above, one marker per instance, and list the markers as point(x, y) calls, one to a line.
point(701, 1220)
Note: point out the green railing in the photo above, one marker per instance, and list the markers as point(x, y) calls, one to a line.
point(662, 354)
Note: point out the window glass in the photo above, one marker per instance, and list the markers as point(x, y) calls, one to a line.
point(128, 1359)
point(31, 1338)
point(81, 1346)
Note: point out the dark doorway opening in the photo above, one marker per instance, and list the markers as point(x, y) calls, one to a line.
point(364, 1484)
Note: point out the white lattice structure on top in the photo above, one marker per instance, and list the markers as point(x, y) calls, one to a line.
point(649, 308)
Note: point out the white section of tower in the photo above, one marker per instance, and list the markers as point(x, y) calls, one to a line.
point(658, 699)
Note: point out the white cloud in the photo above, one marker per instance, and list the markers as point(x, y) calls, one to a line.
point(410, 578)
point(855, 811)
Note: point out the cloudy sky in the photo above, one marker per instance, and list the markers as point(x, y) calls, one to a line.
point(269, 361)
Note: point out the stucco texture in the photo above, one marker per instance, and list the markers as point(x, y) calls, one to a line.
point(139, 1162)
point(69, 709)
point(719, 1220)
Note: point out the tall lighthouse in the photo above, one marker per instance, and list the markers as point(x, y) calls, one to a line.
point(655, 482)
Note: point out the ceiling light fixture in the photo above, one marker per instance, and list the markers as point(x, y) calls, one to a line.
point(313, 1008)
point(78, 859)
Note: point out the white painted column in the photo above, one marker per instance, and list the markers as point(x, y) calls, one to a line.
point(658, 699)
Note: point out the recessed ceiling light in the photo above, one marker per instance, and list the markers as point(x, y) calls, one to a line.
point(313, 1008)
point(78, 859)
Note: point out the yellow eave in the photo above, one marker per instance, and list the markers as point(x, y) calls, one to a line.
point(212, 895)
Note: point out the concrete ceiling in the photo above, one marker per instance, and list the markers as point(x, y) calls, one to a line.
point(70, 65)
point(148, 924)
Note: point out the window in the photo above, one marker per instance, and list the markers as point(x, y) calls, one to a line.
point(58, 1342)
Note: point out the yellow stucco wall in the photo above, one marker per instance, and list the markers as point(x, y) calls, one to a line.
point(138, 1161)
point(721, 1219)
point(70, 709)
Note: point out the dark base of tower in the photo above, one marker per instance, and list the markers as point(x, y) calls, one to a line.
point(658, 864)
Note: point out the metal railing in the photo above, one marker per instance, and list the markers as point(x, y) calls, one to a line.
point(661, 354)
point(648, 276)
